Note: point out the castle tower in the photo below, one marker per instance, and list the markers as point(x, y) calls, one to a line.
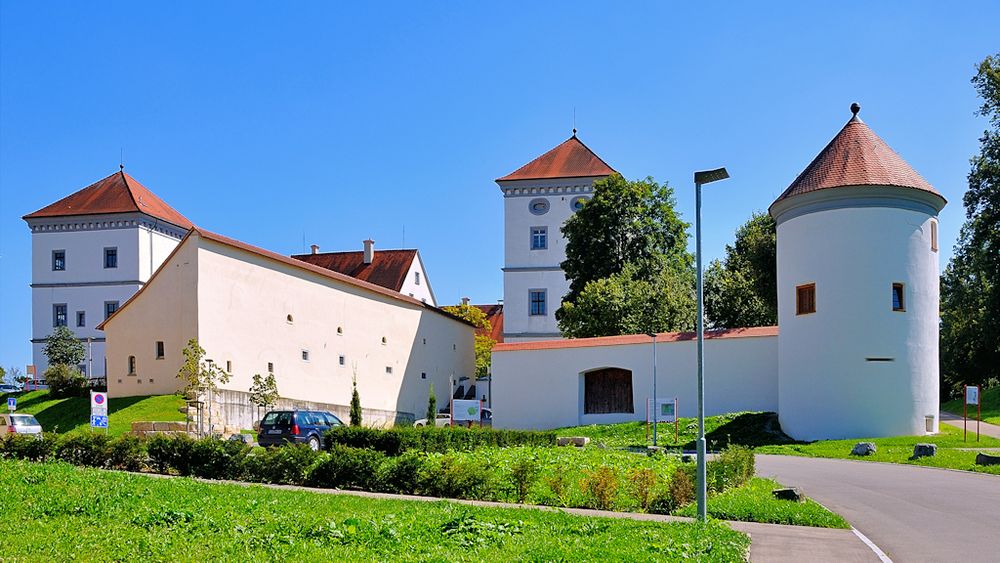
point(538, 198)
point(90, 252)
point(858, 291)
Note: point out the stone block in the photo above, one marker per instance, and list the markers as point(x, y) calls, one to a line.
point(987, 459)
point(789, 493)
point(142, 426)
point(864, 448)
point(924, 450)
point(578, 441)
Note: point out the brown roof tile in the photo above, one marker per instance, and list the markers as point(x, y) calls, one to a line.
point(388, 268)
point(118, 193)
point(635, 339)
point(494, 314)
point(571, 159)
point(856, 157)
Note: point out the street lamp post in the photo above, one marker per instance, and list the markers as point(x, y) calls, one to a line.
point(703, 177)
point(653, 336)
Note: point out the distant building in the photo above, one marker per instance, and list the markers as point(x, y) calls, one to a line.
point(538, 198)
point(90, 252)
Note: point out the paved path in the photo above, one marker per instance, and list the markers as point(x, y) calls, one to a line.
point(912, 513)
point(985, 428)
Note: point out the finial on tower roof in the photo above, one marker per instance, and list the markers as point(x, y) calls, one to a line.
point(574, 131)
point(121, 167)
point(855, 108)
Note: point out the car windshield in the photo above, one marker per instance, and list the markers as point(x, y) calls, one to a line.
point(23, 420)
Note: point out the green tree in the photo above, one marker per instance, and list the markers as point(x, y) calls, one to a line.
point(355, 403)
point(741, 290)
point(483, 343)
point(626, 222)
point(63, 347)
point(625, 303)
point(65, 381)
point(199, 374)
point(432, 408)
point(264, 391)
point(970, 287)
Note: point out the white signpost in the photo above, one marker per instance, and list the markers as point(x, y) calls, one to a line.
point(466, 410)
point(99, 409)
point(663, 410)
point(971, 398)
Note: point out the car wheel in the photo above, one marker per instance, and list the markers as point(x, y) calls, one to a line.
point(313, 443)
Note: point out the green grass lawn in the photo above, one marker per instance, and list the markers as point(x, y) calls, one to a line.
point(73, 413)
point(753, 502)
point(899, 449)
point(990, 406)
point(745, 428)
point(54, 512)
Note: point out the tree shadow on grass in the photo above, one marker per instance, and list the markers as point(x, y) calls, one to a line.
point(751, 429)
point(72, 412)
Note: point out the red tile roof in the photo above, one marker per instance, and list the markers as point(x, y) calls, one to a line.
point(856, 157)
point(571, 159)
point(118, 193)
point(635, 339)
point(494, 314)
point(388, 268)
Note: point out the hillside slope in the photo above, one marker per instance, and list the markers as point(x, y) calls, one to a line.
point(66, 415)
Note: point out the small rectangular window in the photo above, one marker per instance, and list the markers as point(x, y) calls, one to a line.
point(423, 375)
point(305, 355)
point(111, 257)
point(342, 360)
point(270, 367)
point(388, 370)
point(539, 238)
point(416, 278)
point(59, 314)
point(934, 243)
point(805, 299)
point(58, 260)
point(159, 349)
point(898, 297)
point(229, 366)
point(131, 365)
point(109, 308)
point(536, 300)
point(83, 369)
point(81, 318)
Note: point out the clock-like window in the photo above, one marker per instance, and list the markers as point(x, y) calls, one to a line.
point(578, 202)
point(539, 206)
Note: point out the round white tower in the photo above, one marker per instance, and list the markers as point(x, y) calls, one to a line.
point(858, 288)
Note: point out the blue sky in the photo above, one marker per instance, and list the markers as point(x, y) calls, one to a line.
point(290, 124)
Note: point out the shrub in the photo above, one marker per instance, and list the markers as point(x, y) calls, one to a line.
point(28, 446)
point(288, 465)
point(401, 474)
point(525, 472)
point(213, 458)
point(452, 477)
point(345, 468)
point(681, 491)
point(395, 441)
point(733, 467)
point(600, 486)
point(127, 453)
point(83, 448)
point(643, 481)
point(557, 483)
point(170, 453)
point(65, 381)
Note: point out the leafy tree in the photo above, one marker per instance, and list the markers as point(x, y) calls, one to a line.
point(355, 403)
point(13, 376)
point(432, 408)
point(625, 303)
point(970, 287)
point(626, 222)
point(741, 290)
point(264, 390)
point(65, 381)
point(199, 375)
point(483, 344)
point(63, 347)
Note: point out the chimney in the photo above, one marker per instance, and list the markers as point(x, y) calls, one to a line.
point(315, 248)
point(369, 251)
point(465, 301)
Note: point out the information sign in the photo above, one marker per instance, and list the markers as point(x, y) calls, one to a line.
point(972, 394)
point(465, 410)
point(98, 409)
point(12, 404)
point(97, 421)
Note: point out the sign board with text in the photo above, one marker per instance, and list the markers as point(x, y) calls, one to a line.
point(465, 410)
point(972, 394)
point(98, 409)
point(666, 410)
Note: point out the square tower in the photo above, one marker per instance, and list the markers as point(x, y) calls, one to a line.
point(538, 198)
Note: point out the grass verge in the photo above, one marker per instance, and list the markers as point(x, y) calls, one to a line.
point(742, 428)
point(950, 453)
point(92, 514)
point(73, 413)
point(990, 406)
point(753, 502)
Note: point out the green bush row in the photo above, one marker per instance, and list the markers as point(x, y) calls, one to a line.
point(85, 448)
point(395, 441)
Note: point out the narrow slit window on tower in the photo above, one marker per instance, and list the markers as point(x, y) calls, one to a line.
point(934, 243)
point(898, 297)
point(159, 350)
point(805, 299)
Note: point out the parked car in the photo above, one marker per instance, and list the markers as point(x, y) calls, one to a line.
point(19, 424)
point(296, 427)
point(444, 419)
point(4, 389)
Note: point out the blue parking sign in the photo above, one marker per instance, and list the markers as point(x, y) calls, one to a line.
point(12, 404)
point(98, 421)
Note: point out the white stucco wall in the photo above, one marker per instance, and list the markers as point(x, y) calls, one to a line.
point(827, 388)
point(418, 290)
point(540, 389)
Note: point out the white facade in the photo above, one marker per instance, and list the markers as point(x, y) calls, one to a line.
point(529, 267)
point(85, 287)
point(416, 284)
point(856, 367)
point(542, 385)
point(255, 311)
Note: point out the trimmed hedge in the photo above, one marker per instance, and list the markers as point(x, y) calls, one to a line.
point(395, 441)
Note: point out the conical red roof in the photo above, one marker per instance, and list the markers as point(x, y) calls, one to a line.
point(571, 159)
point(856, 157)
point(118, 193)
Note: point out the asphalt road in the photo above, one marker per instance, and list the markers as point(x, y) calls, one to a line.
point(912, 513)
point(970, 425)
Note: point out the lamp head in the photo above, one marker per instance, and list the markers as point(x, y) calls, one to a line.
point(709, 176)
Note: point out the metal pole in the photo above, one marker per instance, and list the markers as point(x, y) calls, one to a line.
point(654, 389)
point(702, 509)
